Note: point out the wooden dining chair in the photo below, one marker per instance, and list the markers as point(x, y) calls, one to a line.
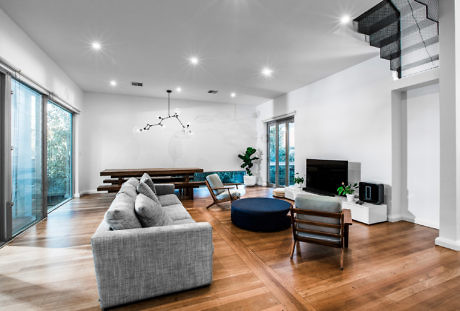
point(221, 192)
point(318, 220)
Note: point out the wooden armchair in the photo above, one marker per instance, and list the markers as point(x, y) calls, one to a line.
point(318, 220)
point(221, 192)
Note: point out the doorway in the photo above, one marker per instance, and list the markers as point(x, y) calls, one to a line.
point(281, 152)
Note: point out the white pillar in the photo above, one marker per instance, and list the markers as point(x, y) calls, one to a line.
point(449, 80)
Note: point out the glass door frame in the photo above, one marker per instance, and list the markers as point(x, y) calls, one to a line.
point(5, 165)
point(6, 219)
point(277, 122)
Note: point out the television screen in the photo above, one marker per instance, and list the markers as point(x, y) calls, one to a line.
point(325, 176)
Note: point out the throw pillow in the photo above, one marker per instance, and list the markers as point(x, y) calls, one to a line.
point(151, 213)
point(129, 189)
point(147, 191)
point(121, 214)
point(148, 180)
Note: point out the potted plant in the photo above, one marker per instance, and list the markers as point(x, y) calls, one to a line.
point(248, 159)
point(347, 190)
point(298, 180)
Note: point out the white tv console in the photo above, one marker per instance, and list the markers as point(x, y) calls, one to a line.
point(366, 213)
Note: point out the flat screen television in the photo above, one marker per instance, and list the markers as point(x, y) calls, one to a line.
point(325, 176)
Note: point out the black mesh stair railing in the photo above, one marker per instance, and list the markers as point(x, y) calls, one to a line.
point(406, 31)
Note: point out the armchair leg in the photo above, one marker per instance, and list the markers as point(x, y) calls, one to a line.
point(293, 248)
point(341, 257)
point(210, 205)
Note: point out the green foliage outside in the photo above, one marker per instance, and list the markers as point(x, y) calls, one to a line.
point(59, 152)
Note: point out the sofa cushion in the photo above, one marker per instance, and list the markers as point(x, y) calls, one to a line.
point(177, 212)
point(151, 213)
point(233, 192)
point(128, 189)
point(215, 182)
point(147, 191)
point(121, 215)
point(183, 221)
point(169, 199)
point(148, 180)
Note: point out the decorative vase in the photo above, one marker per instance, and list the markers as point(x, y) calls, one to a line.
point(350, 197)
point(249, 180)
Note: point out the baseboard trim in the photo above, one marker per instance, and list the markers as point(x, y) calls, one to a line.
point(448, 243)
point(87, 192)
point(395, 218)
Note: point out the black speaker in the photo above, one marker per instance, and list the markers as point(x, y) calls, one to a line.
point(371, 193)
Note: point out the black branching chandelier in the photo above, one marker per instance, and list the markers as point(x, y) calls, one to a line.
point(185, 127)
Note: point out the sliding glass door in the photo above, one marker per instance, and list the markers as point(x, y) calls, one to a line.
point(281, 154)
point(59, 155)
point(26, 156)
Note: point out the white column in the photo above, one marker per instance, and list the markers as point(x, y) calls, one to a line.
point(449, 39)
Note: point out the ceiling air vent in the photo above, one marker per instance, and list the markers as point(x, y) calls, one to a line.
point(212, 91)
point(136, 83)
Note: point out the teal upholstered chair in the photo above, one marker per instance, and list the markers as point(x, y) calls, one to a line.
point(221, 192)
point(319, 220)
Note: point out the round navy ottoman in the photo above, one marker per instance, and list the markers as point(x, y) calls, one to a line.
point(261, 214)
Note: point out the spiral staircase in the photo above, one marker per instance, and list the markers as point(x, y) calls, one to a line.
point(406, 31)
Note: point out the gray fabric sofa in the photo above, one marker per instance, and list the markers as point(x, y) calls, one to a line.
point(139, 263)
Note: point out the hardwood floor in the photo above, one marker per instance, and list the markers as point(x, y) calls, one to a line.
point(387, 266)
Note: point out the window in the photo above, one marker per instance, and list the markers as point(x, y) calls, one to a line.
point(26, 156)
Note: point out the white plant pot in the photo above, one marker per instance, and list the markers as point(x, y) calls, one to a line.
point(249, 180)
point(350, 197)
point(298, 186)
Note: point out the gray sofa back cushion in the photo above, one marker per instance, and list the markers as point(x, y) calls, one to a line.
point(147, 191)
point(121, 215)
point(168, 199)
point(148, 180)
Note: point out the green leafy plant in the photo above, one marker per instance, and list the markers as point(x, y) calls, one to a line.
point(347, 189)
point(298, 179)
point(248, 159)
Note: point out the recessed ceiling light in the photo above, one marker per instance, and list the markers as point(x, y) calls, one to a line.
point(194, 60)
point(233, 95)
point(96, 45)
point(178, 89)
point(267, 72)
point(345, 19)
point(113, 83)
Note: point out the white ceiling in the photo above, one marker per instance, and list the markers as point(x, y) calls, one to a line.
point(150, 41)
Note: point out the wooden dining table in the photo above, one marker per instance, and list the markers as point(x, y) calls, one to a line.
point(182, 178)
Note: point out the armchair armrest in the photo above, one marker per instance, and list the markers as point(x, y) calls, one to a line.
point(223, 188)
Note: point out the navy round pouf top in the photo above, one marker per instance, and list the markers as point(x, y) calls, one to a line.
point(261, 214)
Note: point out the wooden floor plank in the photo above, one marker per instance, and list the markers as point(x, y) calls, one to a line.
point(388, 266)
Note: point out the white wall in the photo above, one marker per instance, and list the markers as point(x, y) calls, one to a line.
point(423, 143)
point(20, 50)
point(108, 138)
point(346, 116)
